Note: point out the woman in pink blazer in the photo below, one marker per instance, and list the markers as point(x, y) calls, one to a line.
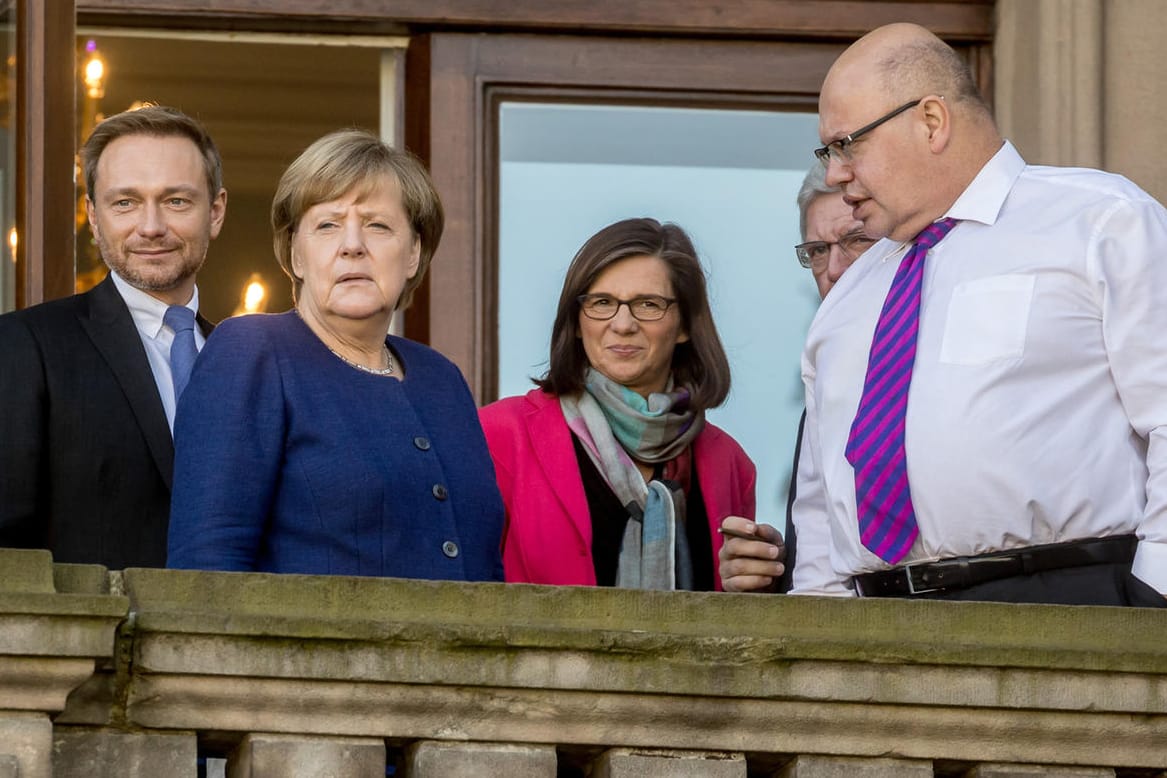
point(608, 470)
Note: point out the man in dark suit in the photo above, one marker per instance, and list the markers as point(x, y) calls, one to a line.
point(87, 389)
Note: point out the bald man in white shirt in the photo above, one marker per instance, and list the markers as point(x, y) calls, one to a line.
point(1032, 446)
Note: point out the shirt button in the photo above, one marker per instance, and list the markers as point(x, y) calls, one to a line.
point(450, 549)
point(422, 443)
point(440, 492)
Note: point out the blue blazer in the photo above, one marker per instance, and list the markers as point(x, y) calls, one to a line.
point(288, 460)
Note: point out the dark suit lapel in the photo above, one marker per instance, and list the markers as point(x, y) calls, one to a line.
point(204, 324)
point(111, 328)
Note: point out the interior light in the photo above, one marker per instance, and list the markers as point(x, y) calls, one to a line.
point(254, 296)
point(94, 71)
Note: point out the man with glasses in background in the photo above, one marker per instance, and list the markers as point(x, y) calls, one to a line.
point(832, 237)
point(1023, 307)
point(832, 240)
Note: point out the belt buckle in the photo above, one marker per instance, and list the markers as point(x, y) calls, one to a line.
point(910, 569)
point(960, 561)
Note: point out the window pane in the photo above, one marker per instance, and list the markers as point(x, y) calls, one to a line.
point(729, 178)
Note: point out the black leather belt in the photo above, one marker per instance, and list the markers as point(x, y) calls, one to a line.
point(965, 571)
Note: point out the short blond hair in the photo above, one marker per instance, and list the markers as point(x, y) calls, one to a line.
point(347, 161)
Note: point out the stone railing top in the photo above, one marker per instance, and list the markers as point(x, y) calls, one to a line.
point(55, 610)
point(56, 623)
point(26, 570)
point(715, 628)
point(32, 571)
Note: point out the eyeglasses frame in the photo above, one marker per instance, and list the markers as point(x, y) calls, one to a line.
point(669, 303)
point(823, 153)
point(809, 265)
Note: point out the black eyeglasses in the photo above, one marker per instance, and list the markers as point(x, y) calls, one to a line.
point(840, 150)
point(647, 307)
point(816, 253)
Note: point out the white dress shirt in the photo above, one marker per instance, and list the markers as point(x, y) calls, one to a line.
point(147, 312)
point(1039, 395)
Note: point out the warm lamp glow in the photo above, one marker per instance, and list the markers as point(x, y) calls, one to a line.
point(13, 242)
point(254, 297)
point(94, 72)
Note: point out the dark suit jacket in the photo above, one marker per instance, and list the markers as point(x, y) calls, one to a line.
point(85, 451)
point(791, 537)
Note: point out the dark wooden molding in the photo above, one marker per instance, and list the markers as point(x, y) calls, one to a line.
point(963, 20)
point(44, 151)
point(417, 122)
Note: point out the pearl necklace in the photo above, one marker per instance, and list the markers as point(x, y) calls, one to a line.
point(388, 370)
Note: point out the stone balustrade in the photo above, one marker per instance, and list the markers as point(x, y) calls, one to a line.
point(329, 676)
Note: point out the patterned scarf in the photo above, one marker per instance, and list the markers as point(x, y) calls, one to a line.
point(616, 424)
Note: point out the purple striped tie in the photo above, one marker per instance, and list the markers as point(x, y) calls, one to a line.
point(875, 448)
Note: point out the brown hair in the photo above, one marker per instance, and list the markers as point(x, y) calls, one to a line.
point(158, 121)
point(348, 160)
point(699, 364)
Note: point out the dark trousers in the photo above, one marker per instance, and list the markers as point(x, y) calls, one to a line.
point(1104, 584)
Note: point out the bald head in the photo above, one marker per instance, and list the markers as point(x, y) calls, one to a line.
point(944, 135)
point(905, 61)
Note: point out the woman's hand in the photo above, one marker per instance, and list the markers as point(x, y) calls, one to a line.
point(751, 559)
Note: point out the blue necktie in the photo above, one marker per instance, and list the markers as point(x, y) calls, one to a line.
point(183, 350)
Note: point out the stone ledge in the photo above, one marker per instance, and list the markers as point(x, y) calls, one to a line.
point(612, 668)
point(745, 630)
point(66, 625)
point(40, 683)
point(81, 579)
point(26, 570)
point(56, 621)
point(651, 720)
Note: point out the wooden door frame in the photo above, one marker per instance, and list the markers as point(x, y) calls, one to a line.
point(45, 118)
point(953, 20)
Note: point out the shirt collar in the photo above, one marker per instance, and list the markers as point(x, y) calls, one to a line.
point(982, 200)
point(147, 310)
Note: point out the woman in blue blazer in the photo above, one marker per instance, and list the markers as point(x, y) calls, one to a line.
point(313, 442)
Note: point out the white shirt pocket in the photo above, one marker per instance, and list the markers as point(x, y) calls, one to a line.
point(987, 320)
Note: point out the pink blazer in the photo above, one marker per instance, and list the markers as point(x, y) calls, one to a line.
point(548, 536)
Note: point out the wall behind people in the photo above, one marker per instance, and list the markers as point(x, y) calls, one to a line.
point(1078, 83)
point(736, 203)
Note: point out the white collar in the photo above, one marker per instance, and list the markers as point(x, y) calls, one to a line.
point(147, 309)
point(983, 198)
